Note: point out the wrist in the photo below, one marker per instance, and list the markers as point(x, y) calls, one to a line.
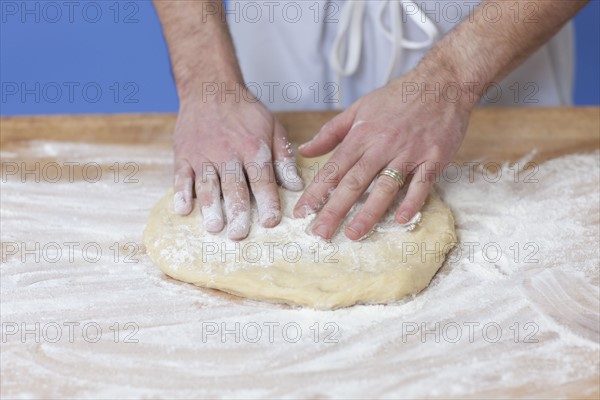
point(456, 84)
point(196, 79)
point(213, 91)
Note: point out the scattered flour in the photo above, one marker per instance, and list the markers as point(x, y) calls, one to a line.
point(523, 319)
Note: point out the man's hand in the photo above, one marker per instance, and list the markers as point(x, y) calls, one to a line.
point(225, 140)
point(420, 137)
point(227, 148)
point(381, 131)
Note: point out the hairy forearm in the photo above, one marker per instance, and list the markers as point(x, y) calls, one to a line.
point(495, 39)
point(199, 44)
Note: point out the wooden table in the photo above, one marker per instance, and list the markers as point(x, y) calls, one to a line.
point(154, 329)
point(498, 134)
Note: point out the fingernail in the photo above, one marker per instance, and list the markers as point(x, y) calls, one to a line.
point(403, 217)
point(213, 225)
point(303, 211)
point(299, 211)
point(213, 217)
point(181, 205)
point(270, 219)
point(357, 229)
point(294, 182)
point(287, 174)
point(238, 228)
point(268, 209)
point(322, 231)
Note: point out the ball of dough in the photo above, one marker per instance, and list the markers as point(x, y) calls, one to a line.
point(286, 264)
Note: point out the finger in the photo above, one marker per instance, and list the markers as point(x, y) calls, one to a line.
point(208, 192)
point(330, 174)
point(182, 187)
point(352, 186)
point(286, 169)
point(237, 199)
point(423, 179)
point(330, 135)
point(264, 186)
point(381, 197)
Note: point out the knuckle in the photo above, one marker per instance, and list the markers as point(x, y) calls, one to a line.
point(183, 168)
point(354, 182)
point(356, 133)
point(232, 174)
point(367, 214)
point(234, 206)
point(328, 127)
point(242, 191)
point(253, 145)
point(205, 172)
point(224, 143)
point(182, 181)
point(333, 125)
point(205, 198)
point(345, 151)
point(409, 167)
point(436, 153)
point(336, 134)
point(210, 186)
point(330, 213)
point(330, 173)
point(427, 173)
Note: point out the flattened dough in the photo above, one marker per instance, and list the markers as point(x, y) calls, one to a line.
point(286, 264)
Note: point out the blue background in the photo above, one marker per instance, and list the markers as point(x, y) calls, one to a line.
point(110, 57)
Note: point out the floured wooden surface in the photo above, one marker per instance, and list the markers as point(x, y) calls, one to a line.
point(172, 339)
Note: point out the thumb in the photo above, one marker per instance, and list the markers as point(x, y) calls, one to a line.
point(286, 169)
point(330, 135)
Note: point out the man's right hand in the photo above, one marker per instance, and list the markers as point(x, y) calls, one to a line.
point(231, 149)
point(224, 145)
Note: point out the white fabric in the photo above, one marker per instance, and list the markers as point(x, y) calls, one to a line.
point(293, 56)
point(349, 37)
point(396, 35)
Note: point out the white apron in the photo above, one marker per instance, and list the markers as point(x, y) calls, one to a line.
point(287, 51)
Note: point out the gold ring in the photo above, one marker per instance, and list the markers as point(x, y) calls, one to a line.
point(395, 175)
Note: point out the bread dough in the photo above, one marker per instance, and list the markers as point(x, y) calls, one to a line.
point(286, 264)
